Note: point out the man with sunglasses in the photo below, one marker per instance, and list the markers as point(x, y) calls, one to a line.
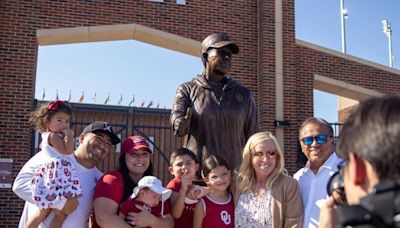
point(370, 144)
point(96, 142)
point(317, 144)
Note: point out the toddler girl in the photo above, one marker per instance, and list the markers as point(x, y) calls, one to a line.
point(54, 181)
point(216, 208)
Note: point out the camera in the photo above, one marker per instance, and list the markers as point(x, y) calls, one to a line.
point(335, 188)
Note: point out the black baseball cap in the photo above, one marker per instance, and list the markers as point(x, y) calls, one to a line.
point(218, 40)
point(103, 127)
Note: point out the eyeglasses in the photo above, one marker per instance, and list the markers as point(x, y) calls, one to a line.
point(269, 154)
point(321, 139)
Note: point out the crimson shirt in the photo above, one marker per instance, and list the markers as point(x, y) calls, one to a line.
point(218, 215)
point(186, 219)
point(110, 186)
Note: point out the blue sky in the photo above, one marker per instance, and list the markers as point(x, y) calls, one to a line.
point(153, 73)
point(318, 22)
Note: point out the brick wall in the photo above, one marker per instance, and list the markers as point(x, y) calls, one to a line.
point(249, 23)
point(345, 112)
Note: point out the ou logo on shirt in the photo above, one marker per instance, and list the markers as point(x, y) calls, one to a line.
point(225, 217)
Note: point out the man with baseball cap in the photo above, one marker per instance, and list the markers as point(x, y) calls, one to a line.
point(214, 111)
point(96, 142)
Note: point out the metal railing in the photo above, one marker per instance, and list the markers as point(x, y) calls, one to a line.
point(152, 124)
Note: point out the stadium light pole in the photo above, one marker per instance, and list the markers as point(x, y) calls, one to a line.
point(343, 17)
point(387, 30)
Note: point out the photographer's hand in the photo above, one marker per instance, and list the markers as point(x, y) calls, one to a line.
point(328, 215)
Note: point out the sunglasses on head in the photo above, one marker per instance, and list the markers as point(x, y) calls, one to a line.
point(321, 139)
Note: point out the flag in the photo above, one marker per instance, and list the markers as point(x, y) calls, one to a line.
point(120, 100)
point(150, 104)
point(132, 101)
point(107, 99)
point(69, 96)
point(81, 97)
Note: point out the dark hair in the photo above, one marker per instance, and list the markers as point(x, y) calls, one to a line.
point(372, 132)
point(211, 163)
point(129, 184)
point(319, 121)
point(181, 152)
point(43, 114)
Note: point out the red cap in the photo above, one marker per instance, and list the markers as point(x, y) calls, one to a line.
point(135, 143)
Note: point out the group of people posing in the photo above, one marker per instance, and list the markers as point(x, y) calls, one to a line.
point(61, 185)
point(227, 174)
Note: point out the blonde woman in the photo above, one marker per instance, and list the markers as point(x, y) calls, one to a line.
point(265, 195)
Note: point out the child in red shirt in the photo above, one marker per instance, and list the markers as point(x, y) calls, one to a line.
point(185, 194)
point(215, 209)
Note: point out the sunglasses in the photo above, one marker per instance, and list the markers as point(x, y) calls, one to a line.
point(321, 139)
point(260, 155)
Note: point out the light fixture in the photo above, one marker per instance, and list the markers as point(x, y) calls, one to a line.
point(281, 123)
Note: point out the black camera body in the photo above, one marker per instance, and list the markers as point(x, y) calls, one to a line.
point(378, 209)
point(335, 188)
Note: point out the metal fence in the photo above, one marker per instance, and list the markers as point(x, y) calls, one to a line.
point(152, 124)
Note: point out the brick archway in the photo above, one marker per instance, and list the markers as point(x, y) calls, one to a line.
point(118, 32)
point(276, 67)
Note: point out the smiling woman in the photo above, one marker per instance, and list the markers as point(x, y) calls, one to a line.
point(265, 195)
point(116, 186)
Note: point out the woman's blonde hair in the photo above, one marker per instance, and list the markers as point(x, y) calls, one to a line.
point(246, 177)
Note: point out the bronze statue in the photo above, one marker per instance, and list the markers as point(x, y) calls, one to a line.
point(214, 111)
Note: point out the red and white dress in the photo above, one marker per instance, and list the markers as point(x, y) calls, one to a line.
point(55, 179)
point(218, 215)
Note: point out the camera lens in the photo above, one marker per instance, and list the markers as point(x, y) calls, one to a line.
point(335, 188)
